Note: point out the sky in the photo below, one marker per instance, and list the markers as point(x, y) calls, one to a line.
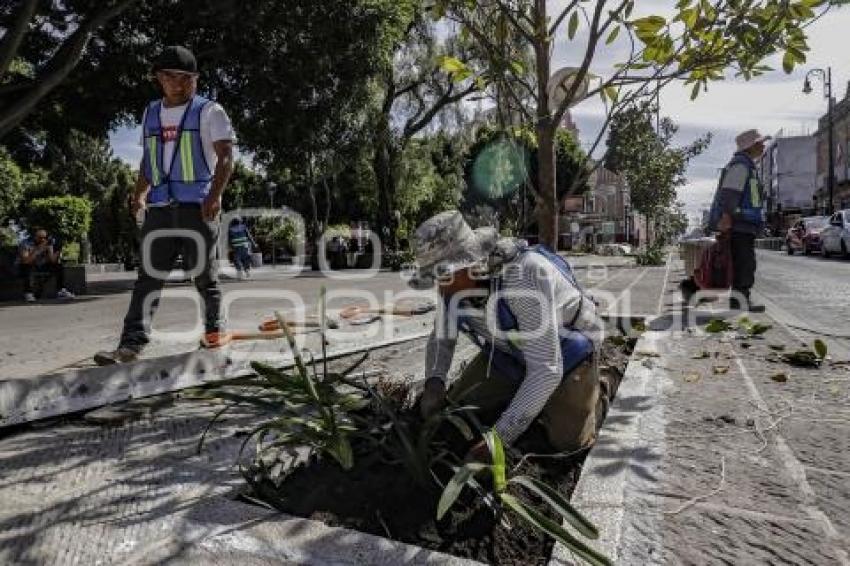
point(770, 103)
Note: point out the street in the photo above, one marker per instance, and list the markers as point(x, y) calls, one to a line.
point(809, 294)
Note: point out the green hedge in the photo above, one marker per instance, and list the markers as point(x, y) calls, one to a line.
point(66, 218)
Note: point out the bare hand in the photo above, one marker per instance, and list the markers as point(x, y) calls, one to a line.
point(137, 204)
point(211, 208)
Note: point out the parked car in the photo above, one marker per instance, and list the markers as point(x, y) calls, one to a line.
point(836, 236)
point(805, 235)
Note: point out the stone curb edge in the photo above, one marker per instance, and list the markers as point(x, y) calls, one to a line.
point(601, 492)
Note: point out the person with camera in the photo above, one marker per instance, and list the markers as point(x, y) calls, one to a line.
point(41, 256)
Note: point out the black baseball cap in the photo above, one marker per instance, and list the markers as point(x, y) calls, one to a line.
point(176, 58)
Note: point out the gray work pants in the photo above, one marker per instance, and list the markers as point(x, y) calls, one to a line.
point(161, 256)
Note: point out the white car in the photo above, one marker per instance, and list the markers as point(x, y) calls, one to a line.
point(835, 238)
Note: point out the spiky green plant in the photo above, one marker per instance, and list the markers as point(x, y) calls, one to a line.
point(503, 499)
point(305, 411)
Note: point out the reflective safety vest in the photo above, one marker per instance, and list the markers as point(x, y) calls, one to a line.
point(189, 178)
point(751, 207)
point(239, 237)
point(576, 347)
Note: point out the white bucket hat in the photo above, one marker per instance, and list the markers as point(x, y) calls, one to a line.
point(445, 244)
point(750, 138)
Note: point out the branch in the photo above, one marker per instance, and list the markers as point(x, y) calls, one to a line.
point(15, 35)
point(59, 66)
point(413, 127)
point(514, 22)
point(560, 19)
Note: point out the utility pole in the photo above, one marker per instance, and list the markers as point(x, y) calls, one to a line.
point(826, 77)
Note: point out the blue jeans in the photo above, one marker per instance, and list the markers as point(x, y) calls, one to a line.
point(242, 258)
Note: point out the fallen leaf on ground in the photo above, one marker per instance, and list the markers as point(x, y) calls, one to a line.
point(703, 356)
point(746, 345)
point(720, 370)
point(692, 377)
point(717, 325)
point(779, 377)
point(648, 354)
point(777, 347)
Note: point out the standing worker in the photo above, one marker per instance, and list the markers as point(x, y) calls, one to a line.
point(241, 244)
point(537, 330)
point(186, 165)
point(737, 214)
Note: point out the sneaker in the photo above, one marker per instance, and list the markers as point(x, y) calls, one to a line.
point(247, 274)
point(120, 356)
point(29, 297)
point(215, 340)
point(65, 294)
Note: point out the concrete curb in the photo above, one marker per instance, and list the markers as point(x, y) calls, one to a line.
point(619, 454)
point(24, 400)
point(224, 531)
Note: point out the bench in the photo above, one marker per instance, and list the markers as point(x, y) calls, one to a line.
point(12, 286)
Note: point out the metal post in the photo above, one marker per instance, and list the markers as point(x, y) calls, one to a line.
point(272, 188)
point(831, 174)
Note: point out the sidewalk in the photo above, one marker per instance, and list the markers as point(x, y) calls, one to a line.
point(697, 465)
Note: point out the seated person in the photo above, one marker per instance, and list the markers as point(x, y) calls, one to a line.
point(537, 330)
point(39, 255)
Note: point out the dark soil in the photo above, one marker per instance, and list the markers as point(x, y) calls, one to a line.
point(380, 498)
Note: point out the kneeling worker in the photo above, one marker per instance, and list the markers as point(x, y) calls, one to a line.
point(538, 333)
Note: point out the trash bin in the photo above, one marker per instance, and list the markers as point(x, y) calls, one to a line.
point(690, 251)
point(257, 260)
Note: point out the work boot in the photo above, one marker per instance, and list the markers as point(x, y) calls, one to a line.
point(215, 340)
point(122, 355)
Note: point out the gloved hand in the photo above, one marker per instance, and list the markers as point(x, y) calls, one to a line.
point(433, 397)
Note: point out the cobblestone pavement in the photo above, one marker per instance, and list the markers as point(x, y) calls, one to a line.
point(709, 457)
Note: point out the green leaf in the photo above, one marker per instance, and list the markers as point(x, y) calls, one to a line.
point(612, 37)
point(451, 65)
point(556, 531)
point(612, 92)
point(340, 448)
point(788, 62)
point(455, 486)
point(694, 95)
point(560, 504)
point(573, 25)
point(717, 325)
point(820, 349)
point(461, 426)
point(497, 455)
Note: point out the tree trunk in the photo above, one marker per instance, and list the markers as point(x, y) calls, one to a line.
point(546, 176)
point(385, 165)
point(548, 209)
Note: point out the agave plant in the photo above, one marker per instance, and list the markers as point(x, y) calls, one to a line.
point(305, 411)
point(503, 499)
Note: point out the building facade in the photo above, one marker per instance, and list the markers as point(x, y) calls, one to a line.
point(789, 172)
point(841, 135)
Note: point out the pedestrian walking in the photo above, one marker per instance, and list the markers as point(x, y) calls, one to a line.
point(537, 330)
point(186, 165)
point(737, 215)
point(241, 244)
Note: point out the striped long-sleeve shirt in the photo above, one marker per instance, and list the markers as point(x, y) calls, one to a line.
point(543, 302)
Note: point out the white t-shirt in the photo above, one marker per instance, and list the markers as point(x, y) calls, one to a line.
point(215, 126)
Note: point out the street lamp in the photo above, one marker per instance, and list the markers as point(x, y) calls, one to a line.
point(826, 77)
point(272, 189)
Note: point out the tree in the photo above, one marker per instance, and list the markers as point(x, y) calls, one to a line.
point(414, 92)
point(696, 46)
point(516, 149)
point(653, 168)
point(63, 31)
point(66, 218)
point(11, 186)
